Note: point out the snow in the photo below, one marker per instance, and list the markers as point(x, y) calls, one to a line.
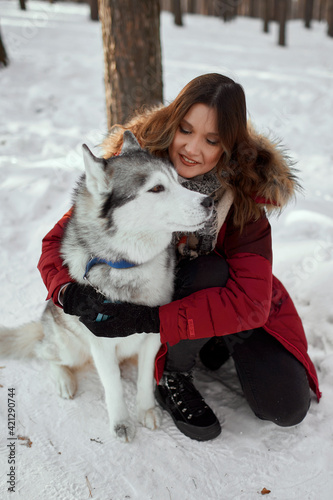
point(52, 101)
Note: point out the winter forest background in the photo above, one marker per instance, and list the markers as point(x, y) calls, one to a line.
point(53, 99)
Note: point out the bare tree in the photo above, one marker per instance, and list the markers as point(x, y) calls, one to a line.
point(330, 17)
point(191, 6)
point(3, 55)
point(308, 11)
point(252, 8)
point(227, 9)
point(177, 10)
point(266, 14)
point(94, 10)
point(132, 56)
point(276, 7)
point(321, 13)
point(283, 10)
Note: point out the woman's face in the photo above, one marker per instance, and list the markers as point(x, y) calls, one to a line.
point(196, 147)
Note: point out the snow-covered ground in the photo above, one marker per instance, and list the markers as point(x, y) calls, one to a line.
point(51, 101)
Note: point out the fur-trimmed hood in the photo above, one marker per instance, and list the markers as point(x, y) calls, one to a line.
point(278, 181)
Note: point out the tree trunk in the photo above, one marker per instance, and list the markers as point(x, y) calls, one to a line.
point(251, 8)
point(94, 10)
point(266, 15)
point(308, 13)
point(191, 6)
point(321, 12)
point(276, 10)
point(3, 55)
point(227, 9)
point(330, 17)
point(22, 5)
point(283, 8)
point(132, 56)
point(177, 10)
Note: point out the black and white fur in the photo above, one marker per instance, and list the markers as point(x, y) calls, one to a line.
point(125, 207)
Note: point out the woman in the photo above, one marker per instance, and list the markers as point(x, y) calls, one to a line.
point(226, 302)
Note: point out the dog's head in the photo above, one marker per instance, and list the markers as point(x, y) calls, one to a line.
point(141, 193)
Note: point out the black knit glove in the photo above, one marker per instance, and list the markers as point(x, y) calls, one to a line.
point(83, 301)
point(123, 319)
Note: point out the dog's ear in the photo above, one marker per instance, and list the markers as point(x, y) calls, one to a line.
point(96, 179)
point(130, 143)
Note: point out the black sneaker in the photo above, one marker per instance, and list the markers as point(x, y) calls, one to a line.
point(193, 417)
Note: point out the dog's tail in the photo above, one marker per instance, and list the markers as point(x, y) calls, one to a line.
point(20, 342)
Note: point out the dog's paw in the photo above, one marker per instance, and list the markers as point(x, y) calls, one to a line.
point(124, 431)
point(66, 383)
point(151, 418)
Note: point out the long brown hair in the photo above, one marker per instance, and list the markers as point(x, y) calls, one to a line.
point(242, 163)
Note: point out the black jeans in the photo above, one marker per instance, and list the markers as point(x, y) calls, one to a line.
point(274, 382)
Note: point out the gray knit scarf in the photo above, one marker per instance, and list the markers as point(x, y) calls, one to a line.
point(203, 241)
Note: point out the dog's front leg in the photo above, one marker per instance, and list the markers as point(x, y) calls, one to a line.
point(148, 413)
point(104, 354)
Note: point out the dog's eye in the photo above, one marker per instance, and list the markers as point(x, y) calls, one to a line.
point(157, 189)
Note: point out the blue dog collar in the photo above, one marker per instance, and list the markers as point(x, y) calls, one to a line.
point(118, 264)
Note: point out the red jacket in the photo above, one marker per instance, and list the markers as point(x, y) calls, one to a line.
point(252, 297)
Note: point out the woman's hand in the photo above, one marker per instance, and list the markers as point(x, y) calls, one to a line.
point(120, 319)
point(124, 319)
point(82, 300)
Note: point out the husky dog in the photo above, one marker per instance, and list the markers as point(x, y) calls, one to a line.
point(125, 208)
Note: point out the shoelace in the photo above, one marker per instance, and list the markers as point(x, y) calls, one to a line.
point(184, 394)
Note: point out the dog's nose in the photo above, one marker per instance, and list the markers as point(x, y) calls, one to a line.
point(207, 202)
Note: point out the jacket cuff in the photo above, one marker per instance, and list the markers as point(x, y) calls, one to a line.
point(60, 302)
point(172, 323)
point(60, 280)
